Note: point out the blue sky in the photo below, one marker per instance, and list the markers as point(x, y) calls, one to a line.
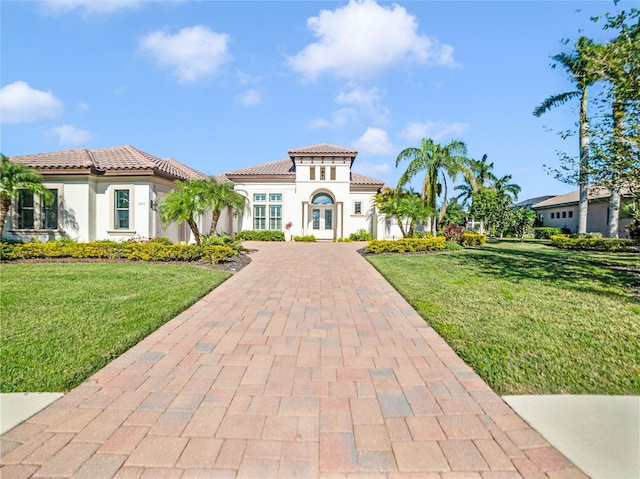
point(223, 85)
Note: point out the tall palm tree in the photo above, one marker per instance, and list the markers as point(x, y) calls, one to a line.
point(182, 204)
point(15, 177)
point(218, 196)
point(436, 161)
point(504, 187)
point(477, 175)
point(579, 67)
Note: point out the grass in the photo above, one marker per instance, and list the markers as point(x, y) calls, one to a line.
point(529, 318)
point(62, 322)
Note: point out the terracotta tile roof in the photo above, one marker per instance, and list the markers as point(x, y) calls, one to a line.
point(596, 192)
point(323, 149)
point(274, 168)
point(109, 160)
point(357, 179)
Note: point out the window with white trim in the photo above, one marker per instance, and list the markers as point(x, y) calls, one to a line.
point(259, 217)
point(259, 197)
point(122, 211)
point(275, 217)
point(32, 212)
point(357, 208)
point(49, 212)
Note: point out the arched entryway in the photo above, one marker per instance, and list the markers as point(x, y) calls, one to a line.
point(322, 213)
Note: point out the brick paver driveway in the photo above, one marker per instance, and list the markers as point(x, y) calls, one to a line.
point(306, 363)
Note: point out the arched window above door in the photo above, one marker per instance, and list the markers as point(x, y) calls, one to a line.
point(322, 199)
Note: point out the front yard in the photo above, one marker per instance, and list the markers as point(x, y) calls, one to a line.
point(62, 322)
point(529, 318)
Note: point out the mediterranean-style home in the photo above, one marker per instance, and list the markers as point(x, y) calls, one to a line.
point(113, 193)
point(562, 212)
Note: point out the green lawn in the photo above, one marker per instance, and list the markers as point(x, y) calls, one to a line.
point(62, 322)
point(529, 318)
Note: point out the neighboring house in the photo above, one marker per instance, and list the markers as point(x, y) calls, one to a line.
point(113, 193)
point(562, 212)
point(530, 202)
point(314, 189)
point(107, 193)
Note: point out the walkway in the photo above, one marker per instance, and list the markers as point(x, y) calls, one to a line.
point(306, 363)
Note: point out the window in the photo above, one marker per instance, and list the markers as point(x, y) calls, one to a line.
point(275, 198)
point(50, 212)
point(259, 217)
point(328, 215)
point(312, 173)
point(322, 173)
point(333, 173)
point(564, 214)
point(26, 210)
point(552, 215)
point(275, 217)
point(316, 219)
point(259, 197)
point(570, 214)
point(357, 208)
point(122, 209)
point(322, 199)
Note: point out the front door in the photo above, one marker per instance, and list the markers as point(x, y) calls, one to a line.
point(322, 224)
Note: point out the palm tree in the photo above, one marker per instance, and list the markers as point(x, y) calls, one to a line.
point(15, 177)
point(219, 196)
point(578, 65)
point(435, 160)
point(503, 187)
point(477, 175)
point(181, 204)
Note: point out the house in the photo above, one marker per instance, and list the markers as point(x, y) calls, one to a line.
point(562, 212)
point(314, 189)
point(107, 193)
point(113, 193)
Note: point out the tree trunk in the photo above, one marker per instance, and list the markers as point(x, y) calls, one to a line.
point(614, 210)
point(614, 199)
point(583, 179)
point(194, 229)
point(215, 216)
point(5, 204)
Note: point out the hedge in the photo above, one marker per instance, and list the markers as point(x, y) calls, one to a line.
point(473, 239)
point(406, 245)
point(132, 250)
point(266, 235)
point(545, 232)
point(597, 244)
point(305, 239)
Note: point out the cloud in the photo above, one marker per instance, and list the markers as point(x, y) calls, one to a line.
point(193, 53)
point(342, 117)
point(437, 130)
point(88, 6)
point(19, 103)
point(249, 98)
point(367, 101)
point(363, 38)
point(372, 169)
point(374, 140)
point(70, 135)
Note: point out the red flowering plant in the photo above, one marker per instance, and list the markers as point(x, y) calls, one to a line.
point(288, 225)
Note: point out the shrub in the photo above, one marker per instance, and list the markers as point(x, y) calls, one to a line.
point(361, 235)
point(266, 235)
point(546, 232)
point(305, 239)
point(217, 253)
point(406, 245)
point(595, 234)
point(454, 233)
point(473, 239)
point(161, 240)
point(342, 240)
point(422, 234)
point(597, 244)
point(454, 246)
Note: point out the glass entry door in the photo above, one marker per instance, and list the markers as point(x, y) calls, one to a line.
point(322, 222)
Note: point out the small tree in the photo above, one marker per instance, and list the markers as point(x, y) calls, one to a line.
point(522, 220)
point(15, 177)
point(184, 203)
point(218, 196)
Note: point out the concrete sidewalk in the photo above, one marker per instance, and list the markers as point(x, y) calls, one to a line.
point(306, 363)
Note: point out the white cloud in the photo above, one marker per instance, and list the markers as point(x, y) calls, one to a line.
point(70, 135)
point(436, 130)
point(89, 6)
point(250, 98)
point(374, 140)
point(246, 79)
point(82, 107)
point(194, 52)
point(19, 103)
point(363, 38)
point(367, 101)
point(372, 169)
point(342, 117)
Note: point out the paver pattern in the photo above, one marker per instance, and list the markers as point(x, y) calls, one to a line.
point(306, 363)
